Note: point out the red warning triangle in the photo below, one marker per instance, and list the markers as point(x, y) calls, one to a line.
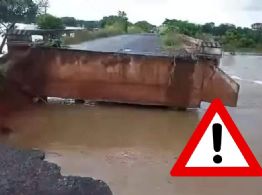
point(216, 148)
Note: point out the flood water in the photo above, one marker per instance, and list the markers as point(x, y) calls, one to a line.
point(133, 149)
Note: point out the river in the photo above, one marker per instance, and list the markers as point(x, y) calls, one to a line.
point(133, 148)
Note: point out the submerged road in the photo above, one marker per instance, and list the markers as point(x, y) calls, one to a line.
point(149, 44)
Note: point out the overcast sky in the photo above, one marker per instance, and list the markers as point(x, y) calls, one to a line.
point(239, 12)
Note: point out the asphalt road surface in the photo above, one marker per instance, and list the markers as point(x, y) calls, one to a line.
point(25, 172)
point(149, 44)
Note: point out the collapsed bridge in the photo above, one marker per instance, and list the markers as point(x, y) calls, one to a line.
point(182, 80)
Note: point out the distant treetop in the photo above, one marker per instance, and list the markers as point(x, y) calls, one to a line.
point(48, 21)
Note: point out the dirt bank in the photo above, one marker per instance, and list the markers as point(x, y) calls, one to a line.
point(11, 101)
point(25, 172)
point(11, 98)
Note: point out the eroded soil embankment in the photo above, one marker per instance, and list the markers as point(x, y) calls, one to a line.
point(11, 101)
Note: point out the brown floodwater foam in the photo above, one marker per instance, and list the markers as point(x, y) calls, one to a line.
point(182, 81)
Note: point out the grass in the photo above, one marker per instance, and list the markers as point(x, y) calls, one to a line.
point(172, 41)
point(134, 30)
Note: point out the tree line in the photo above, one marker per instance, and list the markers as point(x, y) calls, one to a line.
point(18, 11)
point(120, 20)
point(229, 35)
point(35, 11)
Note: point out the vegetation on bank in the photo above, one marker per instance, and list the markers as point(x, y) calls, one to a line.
point(35, 11)
point(232, 38)
point(108, 26)
point(47, 21)
point(173, 31)
point(171, 40)
point(12, 12)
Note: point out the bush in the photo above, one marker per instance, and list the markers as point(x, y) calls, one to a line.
point(135, 29)
point(48, 21)
point(173, 40)
point(116, 28)
point(145, 26)
point(204, 37)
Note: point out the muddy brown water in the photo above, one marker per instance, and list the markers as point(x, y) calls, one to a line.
point(134, 148)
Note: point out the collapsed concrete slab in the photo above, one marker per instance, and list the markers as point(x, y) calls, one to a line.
point(182, 81)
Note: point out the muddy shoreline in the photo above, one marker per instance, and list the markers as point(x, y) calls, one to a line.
point(26, 172)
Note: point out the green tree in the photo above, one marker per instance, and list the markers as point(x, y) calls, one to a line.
point(124, 18)
point(110, 20)
point(145, 26)
point(69, 21)
point(223, 28)
point(183, 27)
point(170, 25)
point(208, 27)
point(48, 21)
point(229, 35)
point(119, 20)
point(13, 11)
point(43, 5)
point(122, 14)
point(88, 24)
